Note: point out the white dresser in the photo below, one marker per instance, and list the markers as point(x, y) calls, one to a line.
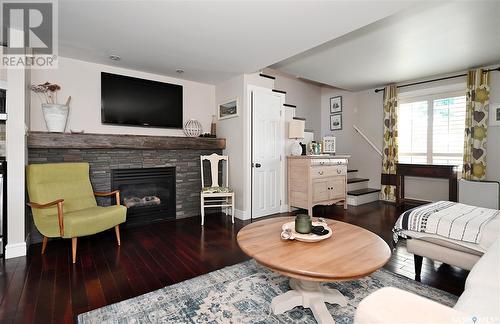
point(317, 180)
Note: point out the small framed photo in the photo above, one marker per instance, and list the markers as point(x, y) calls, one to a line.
point(329, 144)
point(336, 122)
point(335, 105)
point(228, 109)
point(495, 115)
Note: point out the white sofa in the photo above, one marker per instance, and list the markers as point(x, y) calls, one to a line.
point(479, 303)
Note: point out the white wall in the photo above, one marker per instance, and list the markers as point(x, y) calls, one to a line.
point(344, 136)
point(237, 133)
point(81, 81)
point(493, 154)
point(365, 109)
point(305, 95)
point(17, 103)
point(232, 130)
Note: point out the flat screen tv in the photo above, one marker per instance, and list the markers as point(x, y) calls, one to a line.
point(138, 102)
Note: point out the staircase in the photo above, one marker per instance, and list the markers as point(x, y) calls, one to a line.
point(358, 192)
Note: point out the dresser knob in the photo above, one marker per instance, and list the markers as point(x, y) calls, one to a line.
point(320, 172)
point(339, 171)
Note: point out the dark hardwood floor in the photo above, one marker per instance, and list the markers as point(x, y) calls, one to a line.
point(50, 289)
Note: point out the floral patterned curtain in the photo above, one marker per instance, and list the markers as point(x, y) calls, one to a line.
point(476, 125)
point(390, 147)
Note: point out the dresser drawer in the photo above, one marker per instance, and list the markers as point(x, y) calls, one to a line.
point(328, 171)
point(327, 162)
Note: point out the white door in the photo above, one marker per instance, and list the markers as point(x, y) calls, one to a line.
point(267, 152)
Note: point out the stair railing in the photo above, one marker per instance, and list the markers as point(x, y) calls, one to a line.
point(367, 139)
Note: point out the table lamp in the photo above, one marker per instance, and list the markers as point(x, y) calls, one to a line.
point(296, 131)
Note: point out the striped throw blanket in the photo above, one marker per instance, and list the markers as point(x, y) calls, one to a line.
point(448, 219)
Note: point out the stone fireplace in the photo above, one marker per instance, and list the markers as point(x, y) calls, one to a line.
point(176, 160)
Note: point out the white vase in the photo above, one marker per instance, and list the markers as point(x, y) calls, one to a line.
point(56, 117)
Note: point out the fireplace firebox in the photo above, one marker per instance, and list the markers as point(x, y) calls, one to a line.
point(148, 193)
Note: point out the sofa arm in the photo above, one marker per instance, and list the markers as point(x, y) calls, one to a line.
point(392, 305)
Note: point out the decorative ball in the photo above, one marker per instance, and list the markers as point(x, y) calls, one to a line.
point(193, 128)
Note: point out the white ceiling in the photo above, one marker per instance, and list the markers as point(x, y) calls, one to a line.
point(431, 39)
point(212, 41)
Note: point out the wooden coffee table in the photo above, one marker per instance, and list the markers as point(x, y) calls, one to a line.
point(351, 253)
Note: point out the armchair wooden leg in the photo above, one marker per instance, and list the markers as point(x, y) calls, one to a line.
point(117, 232)
point(44, 244)
point(73, 248)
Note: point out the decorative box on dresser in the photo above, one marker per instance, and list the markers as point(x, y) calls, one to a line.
point(317, 180)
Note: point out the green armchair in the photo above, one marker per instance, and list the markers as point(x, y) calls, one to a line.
point(64, 205)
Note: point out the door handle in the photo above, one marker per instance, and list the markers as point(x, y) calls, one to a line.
point(257, 165)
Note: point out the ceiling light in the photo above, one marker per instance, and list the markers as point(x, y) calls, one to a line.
point(115, 57)
point(180, 71)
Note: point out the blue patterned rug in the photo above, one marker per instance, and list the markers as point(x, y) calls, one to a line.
point(242, 293)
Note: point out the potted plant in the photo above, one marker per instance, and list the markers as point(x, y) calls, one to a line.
point(55, 114)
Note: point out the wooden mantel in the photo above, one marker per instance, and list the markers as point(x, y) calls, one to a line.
point(116, 141)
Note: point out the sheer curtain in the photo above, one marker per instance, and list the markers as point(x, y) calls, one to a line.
point(476, 125)
point(390, 146)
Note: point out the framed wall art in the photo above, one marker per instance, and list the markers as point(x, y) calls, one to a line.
point(336, 122)
point(335, 105)
point(228, 109)
point(494, 115)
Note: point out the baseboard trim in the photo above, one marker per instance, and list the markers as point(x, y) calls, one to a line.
point(15, 250)
point(240, 214)
point(243, 215)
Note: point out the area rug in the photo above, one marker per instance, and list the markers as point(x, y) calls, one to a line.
point(242, 294)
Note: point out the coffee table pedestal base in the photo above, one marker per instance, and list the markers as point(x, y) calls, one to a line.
point(309, 294)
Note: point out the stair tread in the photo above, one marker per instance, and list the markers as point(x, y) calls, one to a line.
point(364, 191)
point(354, 180)
point(351, 170)
point(267, 76)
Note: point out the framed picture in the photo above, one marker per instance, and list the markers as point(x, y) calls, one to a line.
point(329, 144)
point(495, 115)
point(335, 104)
point(228, 109)
point(336, 122)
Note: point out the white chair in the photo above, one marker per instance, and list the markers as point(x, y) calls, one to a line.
point(215, 195)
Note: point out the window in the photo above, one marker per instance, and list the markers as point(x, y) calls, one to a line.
point(431, 129)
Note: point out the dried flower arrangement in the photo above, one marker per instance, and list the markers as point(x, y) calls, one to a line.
point(47, 92)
